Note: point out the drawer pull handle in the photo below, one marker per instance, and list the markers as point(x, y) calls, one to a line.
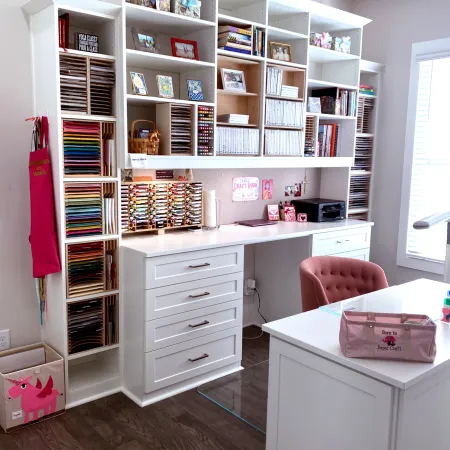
point(198, 266)
point(205, 294)
point(199, 324)
point(341, 242)
point(199, 358)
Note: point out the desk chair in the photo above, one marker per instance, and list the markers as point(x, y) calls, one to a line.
point(330, 279)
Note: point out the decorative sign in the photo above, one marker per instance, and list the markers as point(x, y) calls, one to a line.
point(86, 42)
point(245, 189)
point(164, 174)
point(267, 189)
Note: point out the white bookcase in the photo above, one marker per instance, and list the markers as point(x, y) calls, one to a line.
point(97, 372)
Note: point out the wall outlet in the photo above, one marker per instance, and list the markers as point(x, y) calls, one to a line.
point(249, 286)
point(4, 340)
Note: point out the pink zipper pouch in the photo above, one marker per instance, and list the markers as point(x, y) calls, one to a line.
point(404, 337)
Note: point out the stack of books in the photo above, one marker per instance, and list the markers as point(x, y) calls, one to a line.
point(367, 90)
point(259, 42)
point(337, 101)
point(237, 141)
point(235, 39)
point(283, 143)
point(274, 80)
point(289, 91)
point(240, 119)
point(284, 113)
point(329, 140)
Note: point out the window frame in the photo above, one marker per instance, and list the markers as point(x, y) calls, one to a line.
point(421, 51)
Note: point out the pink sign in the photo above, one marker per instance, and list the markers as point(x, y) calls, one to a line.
point(245, 189)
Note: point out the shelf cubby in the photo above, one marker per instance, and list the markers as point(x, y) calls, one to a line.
point(334, 72)
point(288, 18)
point(299, 46)
point(249, 10)
point(291, 76)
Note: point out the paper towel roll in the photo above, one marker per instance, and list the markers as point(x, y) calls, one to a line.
point(209, 209)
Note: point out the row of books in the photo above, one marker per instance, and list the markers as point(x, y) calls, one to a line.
point(237, 141)
point(366, 89)
point(259, 42)
point(283, 143)
point(284, 113)
point(337, 101)
point(329, 140)
point(235, 39)
point(63, 30)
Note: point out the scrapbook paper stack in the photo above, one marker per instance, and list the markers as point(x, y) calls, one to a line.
point(181, 129)
point(83, 204)
point(124, 208)
point(139, 217)
point(177, 204)
point(103, 79)
point(194, 193)
point(85, 269)
point(159, 205)
point(73, 81)
point(82, 148)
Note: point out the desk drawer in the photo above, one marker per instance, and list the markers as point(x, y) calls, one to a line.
point(182, 267)
point(189, 359)
point(173, 330)
point(340, 241)
point(183, 297)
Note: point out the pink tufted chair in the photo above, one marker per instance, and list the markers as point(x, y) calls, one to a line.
point(330, 279)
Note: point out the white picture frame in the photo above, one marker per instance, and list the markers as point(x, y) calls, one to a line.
point(233, 80)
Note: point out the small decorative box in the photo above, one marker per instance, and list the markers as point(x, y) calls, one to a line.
point(190, 8)
point(341, 44)
point(289, 214)
point(314, 39)
point(302, 217)
point(273, 212)
point(325, 40)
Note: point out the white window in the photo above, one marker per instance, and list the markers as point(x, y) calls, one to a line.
point(426, 176)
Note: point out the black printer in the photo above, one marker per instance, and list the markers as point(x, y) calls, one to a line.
point(320, 209)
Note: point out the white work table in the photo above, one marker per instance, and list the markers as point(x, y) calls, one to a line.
point(226, 235)
point(406, 399)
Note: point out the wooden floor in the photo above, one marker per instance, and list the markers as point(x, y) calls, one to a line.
point(187, 421)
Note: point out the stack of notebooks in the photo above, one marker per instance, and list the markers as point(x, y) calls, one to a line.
point(235, 39)
point(82, 148)
point(177, 205)
point(85, 269)
point(194, 202)
point(363, 153)
point(85, 325)
point(289, 91)
point(181, 129)
point(73, 80)
point(365, 115)
point(340, 102)
point(329, 140)
point(240, 119)
point(283, 143)
point(359, 191)
point(83, 207)
point(284, 113)
point(102, 82)
point(237, 141)
point(367, 90)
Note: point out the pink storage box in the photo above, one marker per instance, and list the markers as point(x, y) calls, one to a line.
point(405, 337)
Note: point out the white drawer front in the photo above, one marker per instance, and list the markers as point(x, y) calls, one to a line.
point(179, 298)
point(192, 358)
point(340, 241)
point(172, 330)
point(182, 267)
point(362, 254)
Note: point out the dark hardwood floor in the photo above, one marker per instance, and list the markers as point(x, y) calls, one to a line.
point(186, 421)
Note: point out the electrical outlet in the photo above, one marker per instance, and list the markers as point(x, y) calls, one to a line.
point(4, 340)
point(249, 286)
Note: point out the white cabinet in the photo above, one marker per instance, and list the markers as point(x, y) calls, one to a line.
point(336, 242)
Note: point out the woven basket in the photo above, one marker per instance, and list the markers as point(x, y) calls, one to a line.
point(148, 146)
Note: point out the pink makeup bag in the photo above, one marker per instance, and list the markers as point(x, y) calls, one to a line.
point(406, 337)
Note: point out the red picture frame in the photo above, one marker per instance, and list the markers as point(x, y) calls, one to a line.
point(187, 51)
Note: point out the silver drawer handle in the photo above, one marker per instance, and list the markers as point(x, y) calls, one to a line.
point(199, 358)
point(205, 294)
point(199, 324)
point(198, 266)
point(341, 242)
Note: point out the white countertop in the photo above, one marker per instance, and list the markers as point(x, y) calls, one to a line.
point(318, 332)
point(187, 241)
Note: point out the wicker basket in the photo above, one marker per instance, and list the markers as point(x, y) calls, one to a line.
point(148, 146)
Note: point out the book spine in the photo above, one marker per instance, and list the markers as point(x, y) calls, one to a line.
point(263, 52)
point(235, 41)
point(237, 50)
point(238, 36)
point(255, 40)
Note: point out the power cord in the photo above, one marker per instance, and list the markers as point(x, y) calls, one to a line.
point(259, 312)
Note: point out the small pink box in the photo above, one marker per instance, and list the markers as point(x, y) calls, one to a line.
point(302, 217)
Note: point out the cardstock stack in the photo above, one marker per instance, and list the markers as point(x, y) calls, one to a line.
point(363, 153)
point(158, 205)
point(194, 203)
point(241, 119)
point(85, 269)
point(359, 191)
point(73, 79)
point(139, 218)
point(177, 204)
point(109, 209)
point(102, 82)
point(181, 129)
point(205, 131)
point(111, 321)
point(365, 115)
point(83, 206)
point(289, 91)
point(124, 208)
point(82, 148)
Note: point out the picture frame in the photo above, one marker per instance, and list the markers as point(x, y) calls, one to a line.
point(184, 49)
point(163, 5)
point(144, 41)
point(138, 83)
point(195, 90)
point(147, 3)
point(233, 80)
point(165, 86)
point(280, 51)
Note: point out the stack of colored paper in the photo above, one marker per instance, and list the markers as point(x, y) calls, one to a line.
point(83, 204)
point(82, 148)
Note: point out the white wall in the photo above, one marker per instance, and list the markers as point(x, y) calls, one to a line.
point(388, 39)
point(19, 310)
point(346, 5)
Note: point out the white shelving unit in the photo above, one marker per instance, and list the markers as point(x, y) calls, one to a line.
point(97, 372)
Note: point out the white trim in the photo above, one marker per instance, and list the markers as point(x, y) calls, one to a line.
point(421, 51)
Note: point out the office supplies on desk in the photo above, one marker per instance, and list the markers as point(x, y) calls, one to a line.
point(256, 223)
point(320, 209)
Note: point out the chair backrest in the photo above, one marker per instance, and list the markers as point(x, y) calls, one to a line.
point(329, 279)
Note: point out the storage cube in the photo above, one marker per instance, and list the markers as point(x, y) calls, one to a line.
point(31, 385)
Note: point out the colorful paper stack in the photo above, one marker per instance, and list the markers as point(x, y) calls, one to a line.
point(177, 204)
point(194, 203)
point(235, 39)
point(159, 205)
point(124, 208)
point(83, 205)
point(85, 269)
point(205, 131)
point(367, 90)
point(82, 148)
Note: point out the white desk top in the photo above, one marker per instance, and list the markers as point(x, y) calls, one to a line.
point(318, 332)
point(187, 241)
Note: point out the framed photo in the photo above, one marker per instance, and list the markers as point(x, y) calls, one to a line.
point(138, 83)
point(147, 3)
point(280, 52)
point(144, 42)
point(233, 80)
point(195, 90)
point(184, 49)
point(163, 5)
point(165, 86)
